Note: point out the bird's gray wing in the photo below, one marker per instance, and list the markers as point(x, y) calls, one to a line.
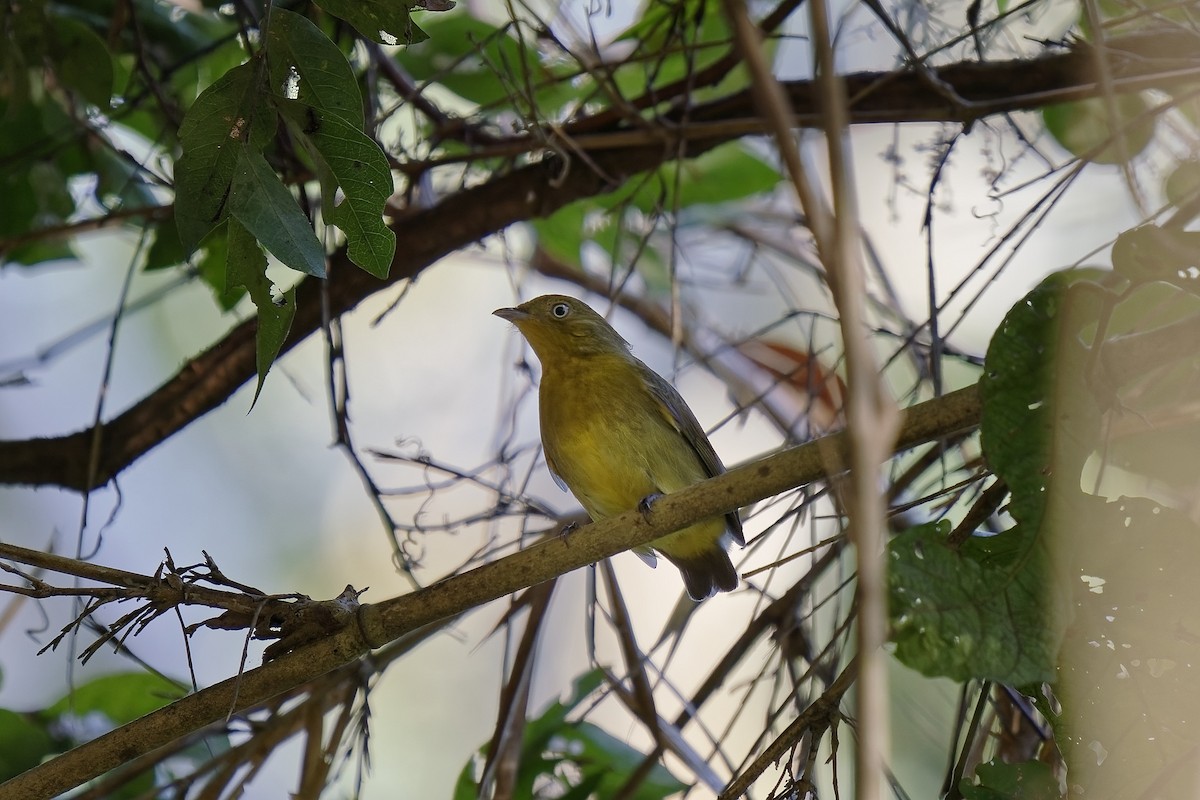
point(675, 410)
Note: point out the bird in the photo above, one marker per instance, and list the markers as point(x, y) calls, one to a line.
point(617, 435)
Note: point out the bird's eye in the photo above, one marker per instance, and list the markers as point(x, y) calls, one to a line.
point(560, 310)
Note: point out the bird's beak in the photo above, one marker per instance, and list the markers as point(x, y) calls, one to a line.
point(513, 315)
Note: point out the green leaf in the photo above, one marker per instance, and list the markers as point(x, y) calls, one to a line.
point(607, 762)
point(991, 608)
point(81, 60)
point(35, 253)
point(978, 612)
point(213, 267)
point(1028, 780)
point(167, 250)
point(248, 267)
point(470, 58)
point(305, 66)
point(122, 697)
point(227, 118)
point(723, 174)
point(260, 201)
point(381, 21)
point(676, 41)
point(579, 759)
point(346, 157)
point(1084, 128)
point(119, 177)
point(1034, 359)
point(23, 743)
point(163, 29)
point(317, 94)
point(996, 607)
point(1183, 184)
point(561, 234)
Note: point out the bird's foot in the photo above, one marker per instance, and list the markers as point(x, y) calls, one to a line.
point(567, 530)
point(646, 503)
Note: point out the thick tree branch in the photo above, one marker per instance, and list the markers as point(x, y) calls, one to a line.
point(205, 382)
point(386, 621)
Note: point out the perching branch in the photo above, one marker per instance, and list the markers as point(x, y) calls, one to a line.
point(378, 624)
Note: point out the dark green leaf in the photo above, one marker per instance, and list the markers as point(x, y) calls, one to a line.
point(979, 612)
point(260, 201)
point(248, 267)
point(597, 762)
point(306, 67)
point(167, 250)
point(1029, 780)
point(81, 60)
point(23, 743)
point(213, 267)
point(381, 21)
point(539, 731)
point(1183, 184)
point(40, 252)
point(1026, 364)
point(465, 788)
point(165, 28)
point(227, 118)
point(990, 609)
point(347, 158)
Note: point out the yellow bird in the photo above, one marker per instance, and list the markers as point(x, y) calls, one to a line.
point(618, 435)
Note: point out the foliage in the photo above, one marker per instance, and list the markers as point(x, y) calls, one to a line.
point(571, 758)
point(92, 708)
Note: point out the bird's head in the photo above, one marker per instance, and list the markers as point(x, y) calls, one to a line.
point(561, 327)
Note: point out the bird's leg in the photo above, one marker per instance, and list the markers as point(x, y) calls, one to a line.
point(646, 503)
point(567, 530)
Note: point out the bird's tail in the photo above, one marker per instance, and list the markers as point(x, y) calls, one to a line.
point(706, 572)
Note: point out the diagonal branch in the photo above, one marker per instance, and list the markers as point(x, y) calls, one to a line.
point(379, 624)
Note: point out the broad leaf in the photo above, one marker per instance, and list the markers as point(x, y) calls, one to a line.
point(248, 267)
point(970, 613)
point(227, 119)
point(81, 60)
point(579, 759)
point(121, 698)
point(382, 21)
point(1029, 780)
point(1086, 129)
point(470, 57)
point(306, 66)
point(345, 157)
point(167, 250)
point(266, 208)
point(23, 743)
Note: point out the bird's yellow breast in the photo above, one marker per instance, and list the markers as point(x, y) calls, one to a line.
point(608, 438)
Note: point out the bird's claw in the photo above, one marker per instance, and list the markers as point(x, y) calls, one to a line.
point(646, 503)
point(566, 532)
